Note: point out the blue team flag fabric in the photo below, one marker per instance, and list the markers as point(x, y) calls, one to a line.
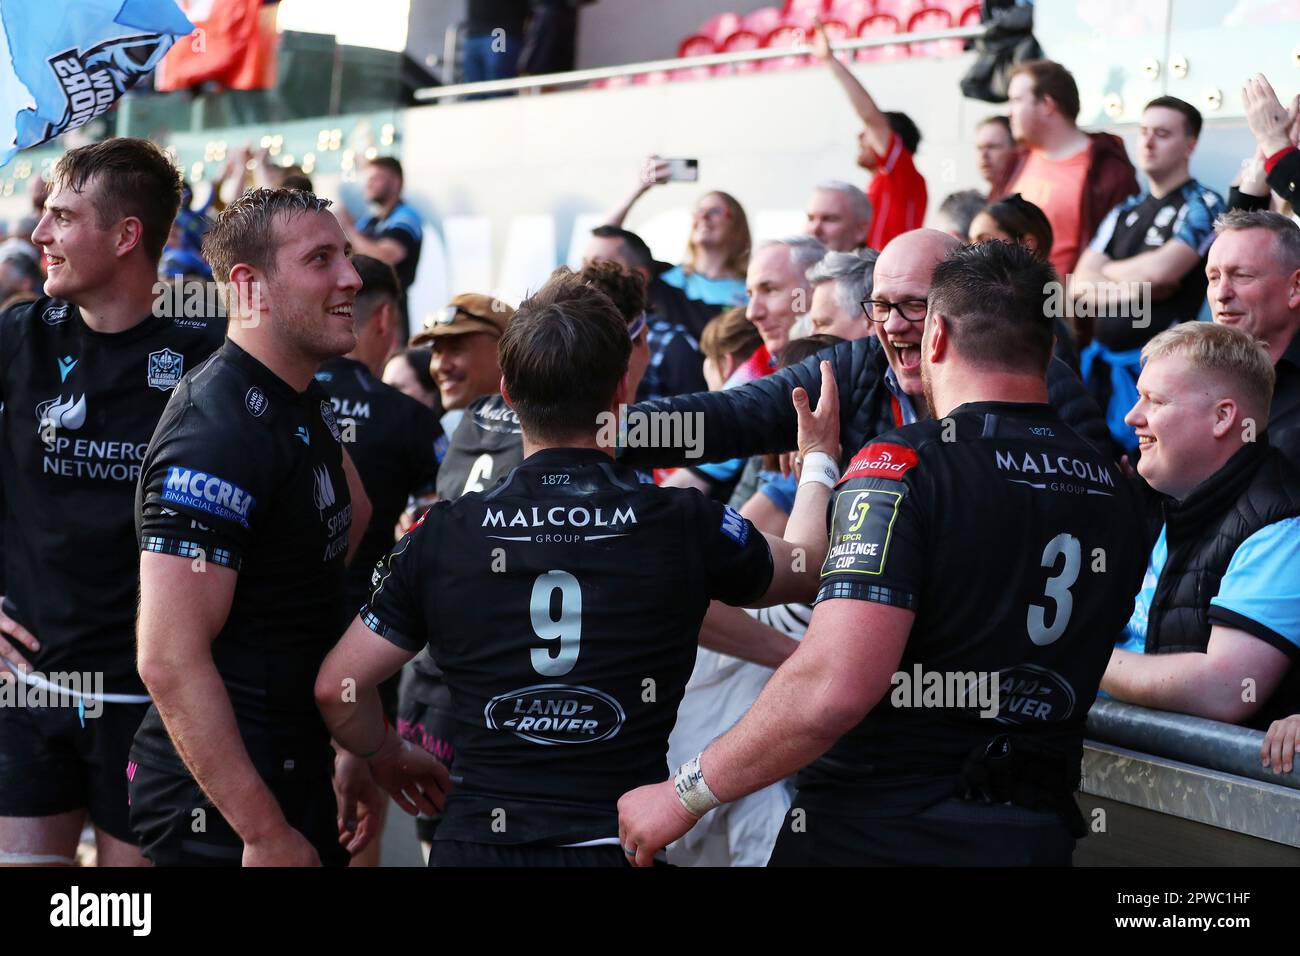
point(62, 64)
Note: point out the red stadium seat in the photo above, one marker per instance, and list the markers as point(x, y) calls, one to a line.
point(651, 78)
point(763, 21)
point(786, 35)
point(900, 10)
point(693, 73)
point(853, 12)
point(697, 44)
point(815, 8)
point(719, 27)
point(743, 39)
point(970, 16)
point(933, 18)
point(878, 25)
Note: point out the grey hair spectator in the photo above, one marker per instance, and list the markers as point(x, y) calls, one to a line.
point(958, 211)
point(851, 272)
point(859, 204)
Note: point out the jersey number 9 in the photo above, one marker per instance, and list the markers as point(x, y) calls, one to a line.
point(567, 629)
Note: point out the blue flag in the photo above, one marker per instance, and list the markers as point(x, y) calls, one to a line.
point(62, 64)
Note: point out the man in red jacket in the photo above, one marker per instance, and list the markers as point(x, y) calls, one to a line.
point(1076, 178)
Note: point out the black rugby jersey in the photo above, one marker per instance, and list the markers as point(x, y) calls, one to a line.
point(563, 607)
point(1021, 550)
point(485, 447)
point(80, 407)
point(392, 439)
point(248, 473)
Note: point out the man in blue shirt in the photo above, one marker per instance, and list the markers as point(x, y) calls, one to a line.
point(392, 232)
point(1216, 626)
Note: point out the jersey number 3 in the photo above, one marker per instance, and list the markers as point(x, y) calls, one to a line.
point(566, 629)
point(1058, 589)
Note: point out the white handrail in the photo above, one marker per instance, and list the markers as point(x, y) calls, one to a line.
point(686, 63)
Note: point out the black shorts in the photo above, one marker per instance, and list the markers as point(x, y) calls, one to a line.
point(952, 833)
point(424, 718)
point(51, 762)
point(171, 832)
point(459, 853)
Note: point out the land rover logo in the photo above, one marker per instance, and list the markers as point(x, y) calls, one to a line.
point(556, 714)
point(1030, 694)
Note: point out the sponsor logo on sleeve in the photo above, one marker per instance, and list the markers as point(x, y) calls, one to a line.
point(734, 525)
point(861, 526)
point(255, 401)
point(881, 460)
point(207, 493)
point(165, 369)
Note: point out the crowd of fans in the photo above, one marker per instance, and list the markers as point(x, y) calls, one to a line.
point(1204, 416)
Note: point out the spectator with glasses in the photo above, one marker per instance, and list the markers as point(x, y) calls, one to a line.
point(878, 376)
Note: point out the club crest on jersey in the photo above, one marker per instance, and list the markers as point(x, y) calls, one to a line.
point(255, 401)
point(327, 416)
point(552, 714)
point(881, 460)
point(165, 369)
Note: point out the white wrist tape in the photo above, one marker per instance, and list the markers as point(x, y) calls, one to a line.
point(821, 468)
point(692, 791)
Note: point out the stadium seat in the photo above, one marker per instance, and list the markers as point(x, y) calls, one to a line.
point(970, 16)
point(814, 8)
point(878, 25)
point(764, 20)
point(718, 28)
point(655, 77)
point(853, 12)
point(933, 18)
point(900, 10)
point(786, 35)
point(697, 44)
point(742, 39)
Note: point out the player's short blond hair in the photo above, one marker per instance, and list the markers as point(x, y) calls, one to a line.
point(1230, 354)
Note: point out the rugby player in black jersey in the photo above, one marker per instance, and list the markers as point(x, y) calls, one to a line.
point(393, 440)
point(991, 544)
point(564, 605)
point(246, 508)
point(487, 445)
point(85, 371)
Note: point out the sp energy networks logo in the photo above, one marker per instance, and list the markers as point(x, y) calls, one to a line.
point(216, 496)
point(165, 369)
point(322, 489)
point(64, 414)
point(551, 714)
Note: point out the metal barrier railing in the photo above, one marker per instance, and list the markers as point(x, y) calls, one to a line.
point(1193, 740)
point(575, 77)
